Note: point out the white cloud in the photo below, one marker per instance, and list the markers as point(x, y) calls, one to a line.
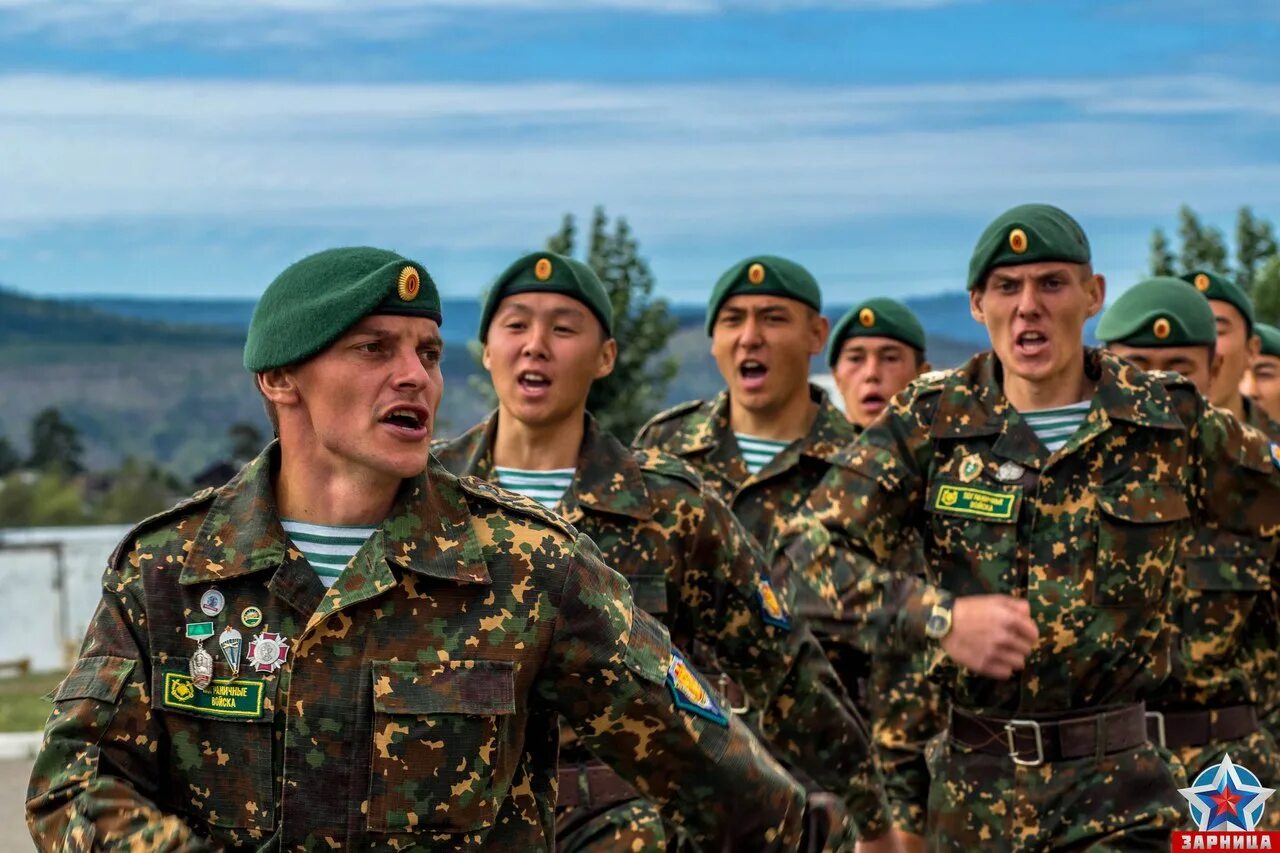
point(476, 165)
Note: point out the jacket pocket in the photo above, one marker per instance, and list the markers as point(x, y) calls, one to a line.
point(444, 744)
point(220, 742)
point(1137, 538)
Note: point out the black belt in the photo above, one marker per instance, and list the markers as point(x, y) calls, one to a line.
point(1200, 727)
point(1031, 743)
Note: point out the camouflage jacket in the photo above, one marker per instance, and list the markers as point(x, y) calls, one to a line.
point(699, 433)
point(1087, 534)
point(417, 700)
point(1266, 663)
point(691, 564)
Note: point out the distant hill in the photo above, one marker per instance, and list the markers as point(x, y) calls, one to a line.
point(162, 378)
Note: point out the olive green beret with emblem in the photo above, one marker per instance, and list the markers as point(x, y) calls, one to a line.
point(1028, 234)
point(877, 318)
point(1270, 336)
point(315, 300)
point(1159, 312)
point(764, 275)
point(547, 272)
point(1219, 288)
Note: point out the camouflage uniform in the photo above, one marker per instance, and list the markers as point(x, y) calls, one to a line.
point(691, 564)
point(1266, 673)
point(1088, 536)
point(418, 702)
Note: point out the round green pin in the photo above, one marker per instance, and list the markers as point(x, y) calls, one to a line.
point(251, 617)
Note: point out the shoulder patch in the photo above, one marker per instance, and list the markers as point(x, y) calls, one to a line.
point(656, 461)
point(691, 694)
point(519, 503)
point(174, 512)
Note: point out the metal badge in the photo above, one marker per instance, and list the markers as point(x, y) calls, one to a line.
point(1010, 471)
point(230, 642)
point(201, 668)
point(970, 468)
point(212, 602)
point(268, 651)
point(251, 617)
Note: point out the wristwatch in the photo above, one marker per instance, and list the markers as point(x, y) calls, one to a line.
point(938, 625)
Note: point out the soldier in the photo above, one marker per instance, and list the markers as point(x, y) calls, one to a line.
point(1238, 344)
point(1261, 383)
point(1051, 485)
point(876, 350)
point(765, 441)
point(409, 701)
point(547, 331)
point(1222, 609)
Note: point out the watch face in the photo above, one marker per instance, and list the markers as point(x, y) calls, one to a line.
point(936, 625)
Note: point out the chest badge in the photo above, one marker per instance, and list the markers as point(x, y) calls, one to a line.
point(268, 651)
point(201, 662)
point(230, 642)
point(970, 468)
point(1010, 471)
point(212, 602)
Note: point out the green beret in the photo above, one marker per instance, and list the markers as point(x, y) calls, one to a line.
point(1221, 289)
point(314, 301)
point(547, 272)
point(1028, 234)
point(764, 275)
point(1159, 312)
point(1270, 336)
point(877, 318)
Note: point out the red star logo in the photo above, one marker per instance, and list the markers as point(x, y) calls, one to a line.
point(1225, 802)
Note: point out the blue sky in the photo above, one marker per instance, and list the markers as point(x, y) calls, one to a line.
point(199, 146)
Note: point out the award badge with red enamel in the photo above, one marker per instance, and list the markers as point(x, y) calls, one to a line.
point(267, 652)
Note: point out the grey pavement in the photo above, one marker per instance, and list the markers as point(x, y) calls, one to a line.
point(13, 791)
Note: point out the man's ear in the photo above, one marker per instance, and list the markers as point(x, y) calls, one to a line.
point(1254, 347)
point(484, 357)
point(820, 326)
point(1215, 367)
point(608, 358)
point(925, 367)
point(975, 304)
point(280, 386)
point(1097, 287)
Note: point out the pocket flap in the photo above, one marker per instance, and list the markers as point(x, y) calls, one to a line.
point(485, 687)
point(1230, 563)
point(1158, 504)
point(649, 592)
point(101, 678)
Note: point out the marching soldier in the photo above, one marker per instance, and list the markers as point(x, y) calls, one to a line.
point(1261, 383)
point(546, 327)
point(877, 349)
point(1223, 611)
point(234, 691)
point(1051, 485)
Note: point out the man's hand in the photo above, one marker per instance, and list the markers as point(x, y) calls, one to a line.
point(991, 634)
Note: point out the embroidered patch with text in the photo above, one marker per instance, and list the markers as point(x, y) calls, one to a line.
point(691, 694)
point(225, 697)
point(979, 503)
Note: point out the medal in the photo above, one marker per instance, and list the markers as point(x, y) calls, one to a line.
point(212, 602)
point(251, 617)
point(230, 641)
point(268, 651)
point(1010, 471)
point(201, 661)
point(201, 668)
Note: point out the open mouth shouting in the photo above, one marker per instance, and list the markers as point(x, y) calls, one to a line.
point(873, 403)
point(1031, 344)
point(533, 384)
point(407, 422)
point(753, 373)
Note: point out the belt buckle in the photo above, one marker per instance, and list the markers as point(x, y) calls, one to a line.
point(1011, 729)
point(723, 684)
point(1159, 718)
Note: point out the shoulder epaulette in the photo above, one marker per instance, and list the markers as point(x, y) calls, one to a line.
point(155, 521)
point(519, 503)
point(674, 412)
point(657, 462)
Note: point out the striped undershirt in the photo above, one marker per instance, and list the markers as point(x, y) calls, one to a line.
point(758, 452)
point(1055, 426)
point(327, 547)
point(545, 487)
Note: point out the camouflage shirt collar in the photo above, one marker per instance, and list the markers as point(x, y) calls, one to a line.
point(1255, 417)
point(608, 477)
point(428, 531)
point(973, 402)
